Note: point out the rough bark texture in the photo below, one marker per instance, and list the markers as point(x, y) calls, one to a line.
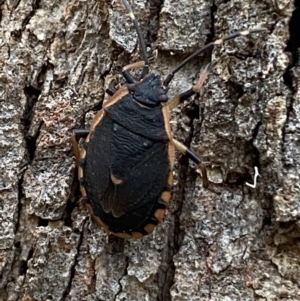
point(231, 242)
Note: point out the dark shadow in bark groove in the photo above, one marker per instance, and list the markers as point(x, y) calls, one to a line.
point(32, 95)
point(167, 269)
point(176, 231)
point(293, 44)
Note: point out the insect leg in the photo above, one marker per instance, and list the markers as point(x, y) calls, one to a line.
point(193, 156)
point(195, 89)
point(80, 133)
point(127, 75)
point(77, 134)
point(110, 91)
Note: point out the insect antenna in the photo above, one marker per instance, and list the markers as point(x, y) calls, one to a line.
point(208, 46)
point(140, 37)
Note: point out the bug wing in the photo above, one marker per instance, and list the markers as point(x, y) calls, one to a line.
point(130, 170)
point(143, 170)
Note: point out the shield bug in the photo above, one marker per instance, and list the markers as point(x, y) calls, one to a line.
point(125, 165)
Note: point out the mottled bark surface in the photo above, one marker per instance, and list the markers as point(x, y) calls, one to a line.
point(231, 242)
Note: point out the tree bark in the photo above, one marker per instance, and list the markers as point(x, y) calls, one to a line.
point(228, 242)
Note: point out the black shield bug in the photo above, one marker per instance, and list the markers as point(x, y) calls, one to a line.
point(125, 165)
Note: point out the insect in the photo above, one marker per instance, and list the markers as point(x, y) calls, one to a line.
point(125, 165)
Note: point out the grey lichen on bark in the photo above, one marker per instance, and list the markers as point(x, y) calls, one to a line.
point(230, 242)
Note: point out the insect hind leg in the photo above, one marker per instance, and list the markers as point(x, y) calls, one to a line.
point(110, 91)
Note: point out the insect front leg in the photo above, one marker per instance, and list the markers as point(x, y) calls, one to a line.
point(195, 89)
point(127, 75)
point(193, 156)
